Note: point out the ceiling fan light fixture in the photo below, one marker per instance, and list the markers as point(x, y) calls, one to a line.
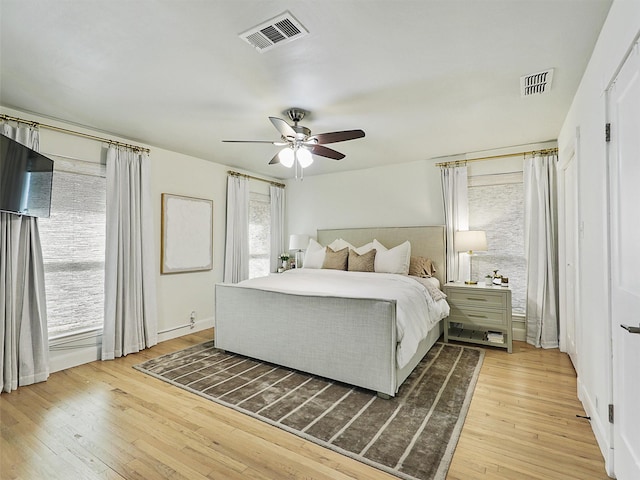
point(300, 145)
point(286, 157)
point(304, 157)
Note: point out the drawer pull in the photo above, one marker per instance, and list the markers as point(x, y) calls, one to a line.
point(477, 316)
point(477, 299)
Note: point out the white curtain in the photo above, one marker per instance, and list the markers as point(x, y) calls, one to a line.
point(277, 226)
point(456, 217)
point(24, 351)
point(541, 242)
point(236, 257)
point(130, 313)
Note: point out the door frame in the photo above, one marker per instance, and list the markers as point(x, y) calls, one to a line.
point(610, 157)
point(572, 154)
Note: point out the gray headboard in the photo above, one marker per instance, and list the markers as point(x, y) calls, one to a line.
point(427, 241)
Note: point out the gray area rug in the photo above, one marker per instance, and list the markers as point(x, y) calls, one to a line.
point(412, 435)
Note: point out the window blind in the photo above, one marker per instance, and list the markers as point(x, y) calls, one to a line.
point(73, 245)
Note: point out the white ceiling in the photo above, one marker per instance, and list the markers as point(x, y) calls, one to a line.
point(423, 79)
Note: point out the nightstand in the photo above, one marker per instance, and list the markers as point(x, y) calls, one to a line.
point(479, 314)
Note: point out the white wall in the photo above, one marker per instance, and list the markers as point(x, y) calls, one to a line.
point(175, 173)
point(181, 293)
point(588, 117)
point(408, 194)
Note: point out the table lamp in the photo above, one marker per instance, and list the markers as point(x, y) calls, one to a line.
point(470, 241)
point(298, 243)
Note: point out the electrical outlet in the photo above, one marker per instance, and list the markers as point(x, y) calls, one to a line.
point(192, 318)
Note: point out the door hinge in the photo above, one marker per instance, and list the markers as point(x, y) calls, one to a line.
point(607, 132)
point(611, 413)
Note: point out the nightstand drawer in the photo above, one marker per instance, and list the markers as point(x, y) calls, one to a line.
point(479, 299)
point(472, 316)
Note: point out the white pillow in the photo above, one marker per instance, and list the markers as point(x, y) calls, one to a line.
point(364, 248)
point(339, 244)
point(314, 256)
point(395, 260)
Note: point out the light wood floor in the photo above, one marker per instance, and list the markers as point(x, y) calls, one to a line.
point(105, 420)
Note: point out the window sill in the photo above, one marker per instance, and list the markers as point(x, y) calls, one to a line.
point(69, 340)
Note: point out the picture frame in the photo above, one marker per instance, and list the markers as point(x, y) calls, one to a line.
point(186, 234)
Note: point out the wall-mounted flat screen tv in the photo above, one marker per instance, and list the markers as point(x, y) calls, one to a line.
point(25, 179)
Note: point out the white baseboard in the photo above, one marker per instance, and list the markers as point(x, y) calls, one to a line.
point(63, 359)
point(601, 427)
point(519, 328)
point(87, 348)
point(185, 329)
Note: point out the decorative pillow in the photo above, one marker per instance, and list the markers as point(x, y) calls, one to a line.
point(339, 244)
point(364, 248)
point(434, 291)
point(394, 260)
point(336, 260)
point(421, 267)
point(361, 263)
point(314, 256)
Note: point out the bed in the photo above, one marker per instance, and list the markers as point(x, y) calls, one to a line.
point(351, 339)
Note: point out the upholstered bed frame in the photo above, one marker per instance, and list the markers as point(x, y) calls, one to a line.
point(352, 340)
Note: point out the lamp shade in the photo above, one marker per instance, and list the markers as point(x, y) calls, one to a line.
point(470, 241)
point(286, 157)
point(298, 242)
point(304, 157)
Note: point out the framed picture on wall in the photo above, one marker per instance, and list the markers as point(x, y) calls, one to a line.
point(187, 234)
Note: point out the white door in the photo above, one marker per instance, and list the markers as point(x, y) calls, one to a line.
point(624, 198)
point(570, 230)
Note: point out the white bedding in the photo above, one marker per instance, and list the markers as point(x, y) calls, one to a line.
point(416, 311)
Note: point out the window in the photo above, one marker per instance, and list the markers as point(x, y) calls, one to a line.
point(496, 205)
point(259, 234)
point(73, 247)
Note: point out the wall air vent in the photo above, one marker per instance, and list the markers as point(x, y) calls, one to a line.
point(279, 30)
point(536, 83)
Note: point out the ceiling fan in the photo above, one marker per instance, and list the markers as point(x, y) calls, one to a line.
point(300, 144)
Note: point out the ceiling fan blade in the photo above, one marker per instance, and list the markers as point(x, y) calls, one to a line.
point(325, 152)
point(275, 159)
point(249, 141)
point(278, 144)
point(333, 137)
point(283, 127)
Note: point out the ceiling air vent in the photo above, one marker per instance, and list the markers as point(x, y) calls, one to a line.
point(536, 83)
point(279, 30)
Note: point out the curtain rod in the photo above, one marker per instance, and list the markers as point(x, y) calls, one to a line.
point(9, 118)
point(455, 163)
point(238, 174)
